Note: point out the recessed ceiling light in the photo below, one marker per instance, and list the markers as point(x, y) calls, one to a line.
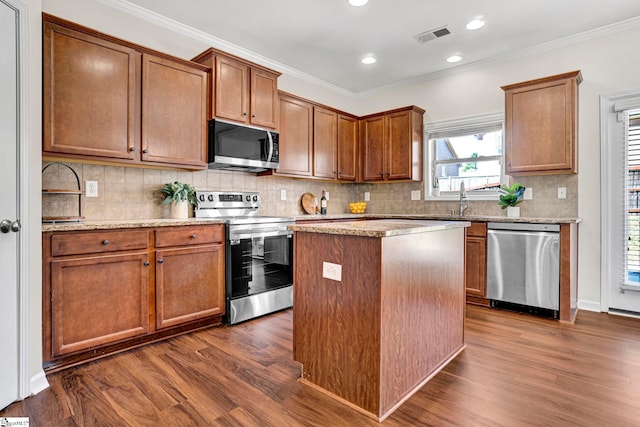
point(454, 58)
point(475, 24)
point(357, 2)
point(369, 59)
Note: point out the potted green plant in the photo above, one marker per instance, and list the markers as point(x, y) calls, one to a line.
point(510, 197)
point(180, 196)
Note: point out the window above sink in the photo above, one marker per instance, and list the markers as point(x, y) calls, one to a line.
point(467, 150)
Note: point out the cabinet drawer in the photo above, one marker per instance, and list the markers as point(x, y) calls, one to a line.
point(181, 236)
point(477, 229)
point(108, 241)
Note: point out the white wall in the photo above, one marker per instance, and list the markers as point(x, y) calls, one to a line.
point(33, 194)
point(607, 65)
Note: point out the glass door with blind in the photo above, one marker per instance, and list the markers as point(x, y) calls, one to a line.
point(621, 206)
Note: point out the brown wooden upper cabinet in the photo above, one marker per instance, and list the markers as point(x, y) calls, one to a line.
point(296, 137)
point(541, 125)
point(391, 145)
point(325, 140)
point(110, 100)
point(242, 91)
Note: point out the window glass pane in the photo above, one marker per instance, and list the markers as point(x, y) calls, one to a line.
point(480, 169)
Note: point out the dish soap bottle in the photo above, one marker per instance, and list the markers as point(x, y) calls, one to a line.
point(323, 204)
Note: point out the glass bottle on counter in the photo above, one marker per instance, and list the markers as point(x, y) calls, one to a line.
point(323, 204)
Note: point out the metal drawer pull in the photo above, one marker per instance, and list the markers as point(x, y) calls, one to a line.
point(105, 242)
point(193, 236)
point(160, 261)
point(146, 263)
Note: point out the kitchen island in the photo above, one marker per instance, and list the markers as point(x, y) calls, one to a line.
point(379, 307)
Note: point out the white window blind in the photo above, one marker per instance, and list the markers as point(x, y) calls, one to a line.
point(632, 200)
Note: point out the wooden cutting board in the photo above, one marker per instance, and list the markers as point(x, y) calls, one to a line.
point(307, 203)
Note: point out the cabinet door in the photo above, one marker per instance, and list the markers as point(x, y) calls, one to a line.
point(324, 143)
point(232, 90)
point(98, 300)
point(189, 284)
point(541, 126)
point(174, 113)
point(296, 137)
point(264, 99)
point(347, 147)
point(91, 95)
point(398, 155)
point(475, 266)
point(372, 132)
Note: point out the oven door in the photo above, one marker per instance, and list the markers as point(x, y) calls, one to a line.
point(259, 262)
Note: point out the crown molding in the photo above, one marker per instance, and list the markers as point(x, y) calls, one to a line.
point(218, 43)
point(221, 44)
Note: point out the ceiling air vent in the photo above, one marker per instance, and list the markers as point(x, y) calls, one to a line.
point(432, 34)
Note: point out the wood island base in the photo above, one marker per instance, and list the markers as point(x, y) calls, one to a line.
point(394, 318)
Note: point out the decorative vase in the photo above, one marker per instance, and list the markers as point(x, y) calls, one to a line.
point(179, 210)
point(513, 211)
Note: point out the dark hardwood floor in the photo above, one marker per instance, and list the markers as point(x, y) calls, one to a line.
point(517, 370)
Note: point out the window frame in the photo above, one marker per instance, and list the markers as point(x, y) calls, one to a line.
point(458, 127)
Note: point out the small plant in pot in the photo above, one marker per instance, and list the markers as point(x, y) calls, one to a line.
point(510, 197)
point(180, 196)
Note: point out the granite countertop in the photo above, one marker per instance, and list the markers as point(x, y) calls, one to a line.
point(440, 217)
point(126, 223)
point(378, 227)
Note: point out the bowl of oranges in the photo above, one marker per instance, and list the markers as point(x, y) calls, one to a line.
point(357, 207)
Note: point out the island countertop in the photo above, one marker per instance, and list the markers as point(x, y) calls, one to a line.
point(378, 227)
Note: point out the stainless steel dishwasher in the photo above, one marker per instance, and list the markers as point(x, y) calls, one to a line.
point(523, 267)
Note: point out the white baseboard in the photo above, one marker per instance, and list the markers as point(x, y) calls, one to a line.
point(38, 383)
point(589, 305)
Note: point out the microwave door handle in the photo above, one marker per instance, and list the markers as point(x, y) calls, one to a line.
point(270, 155)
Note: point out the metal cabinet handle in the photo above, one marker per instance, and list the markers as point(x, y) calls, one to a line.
point(193, 236)
point(146, 263)
point(145, 151)
point(253, 116)
point(132, 149)
point(160, 261)
point(244, 114)
point(105, 242)
point(7, 225)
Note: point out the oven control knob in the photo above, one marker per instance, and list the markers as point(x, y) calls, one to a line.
point(255, 198)
point(210, 197)
point(248, 197)
point(201, 197)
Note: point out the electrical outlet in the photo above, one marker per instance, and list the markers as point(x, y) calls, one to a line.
point(562, 192)
point(367, 196)
point(283, 194)
point(415, 194)
point(91, 188)
point(528, 193)
point(332, 271)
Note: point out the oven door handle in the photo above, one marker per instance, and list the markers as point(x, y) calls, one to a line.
point(249, 235)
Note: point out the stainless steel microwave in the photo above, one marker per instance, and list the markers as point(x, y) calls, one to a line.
point(242, 148)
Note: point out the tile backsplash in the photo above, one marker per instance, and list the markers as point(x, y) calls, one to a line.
point(129, 193)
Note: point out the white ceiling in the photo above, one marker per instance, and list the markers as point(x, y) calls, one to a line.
point(327, 38)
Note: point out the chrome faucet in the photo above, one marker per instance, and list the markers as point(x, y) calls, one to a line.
point(463, 197)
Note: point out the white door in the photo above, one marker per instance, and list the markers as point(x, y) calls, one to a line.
point(9, 242)
point(620, 203)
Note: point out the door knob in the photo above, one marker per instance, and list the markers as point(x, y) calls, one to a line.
point(8, 225)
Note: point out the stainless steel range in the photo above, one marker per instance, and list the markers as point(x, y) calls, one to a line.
point(258, 254)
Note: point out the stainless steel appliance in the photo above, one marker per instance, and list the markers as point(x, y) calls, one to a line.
point(242, 148)
point(258, 254)
point(523, 267)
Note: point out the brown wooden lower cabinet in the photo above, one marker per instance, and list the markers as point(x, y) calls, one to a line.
point(189, 284)
point(109, 290)
point(98, 300)
point(476, 263)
